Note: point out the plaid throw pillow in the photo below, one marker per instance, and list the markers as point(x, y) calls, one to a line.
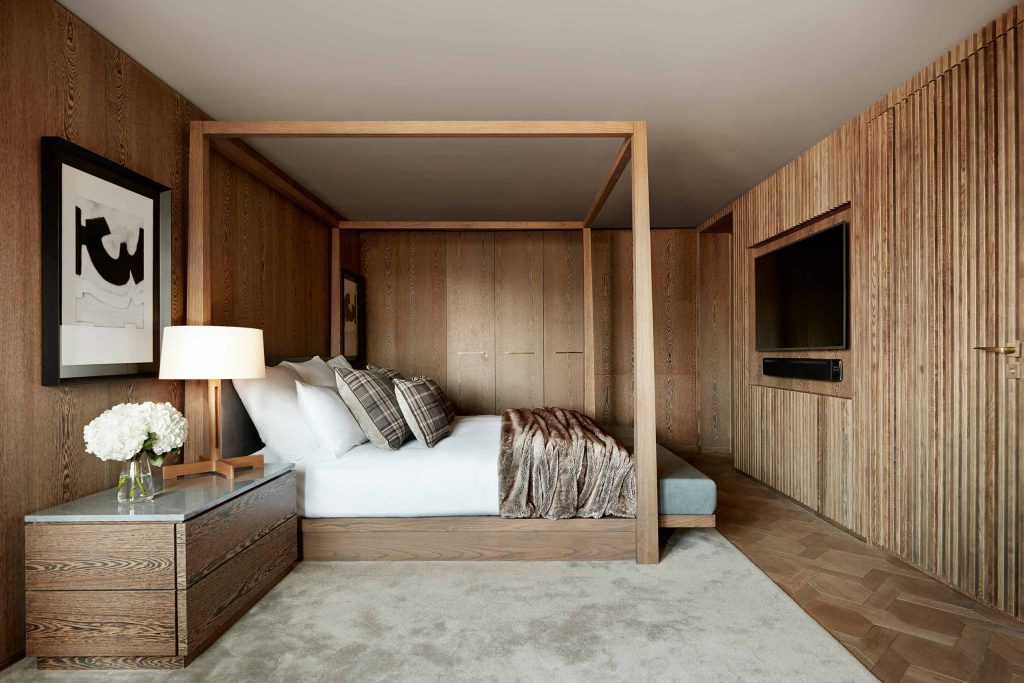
point(421, 404)
point(387, 373)
point(370, 396)
point(446, 403)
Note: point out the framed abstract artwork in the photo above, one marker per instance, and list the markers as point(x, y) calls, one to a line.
point(106, 266)
point(353, 318)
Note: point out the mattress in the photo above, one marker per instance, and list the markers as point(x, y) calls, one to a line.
point(459, 476)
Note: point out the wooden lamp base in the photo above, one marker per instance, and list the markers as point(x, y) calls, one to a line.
point(215, 464)
point(224, 467)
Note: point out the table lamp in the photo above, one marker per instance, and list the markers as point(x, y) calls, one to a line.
point(212, 353)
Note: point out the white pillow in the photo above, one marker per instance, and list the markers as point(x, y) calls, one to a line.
point(273, 406)
point(329, 419)
point(339, 362)
point(313, 371)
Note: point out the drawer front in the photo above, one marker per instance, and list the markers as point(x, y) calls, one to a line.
point(207, 608)
point(211, 539)
point(95, 623)
point(115, 556)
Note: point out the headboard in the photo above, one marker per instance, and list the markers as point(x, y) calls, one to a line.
point(238, 434)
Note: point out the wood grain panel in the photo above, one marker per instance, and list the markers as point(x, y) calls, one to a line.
point(686, 521)
point(836, 475)
point(932, 177)
point(675, 267)
point(209, 607)
point(519, 320)
point(406, 302)
point(62, 78)
point(957, 256)
point(211, 539)
point(260, 240)
point(612, 256)
point(783, 430)
point(714, 341)
point(109, 622)
point(471, 322)
point(99, 556)
point(563, 320)
point(460, 524)
point(518, 325)
point(109, 663)
point(871, 241)
point(468, 538)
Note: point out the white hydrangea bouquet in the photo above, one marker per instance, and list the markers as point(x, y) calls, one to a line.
point(138, 435)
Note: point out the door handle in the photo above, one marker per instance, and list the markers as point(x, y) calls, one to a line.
point(1011, 349)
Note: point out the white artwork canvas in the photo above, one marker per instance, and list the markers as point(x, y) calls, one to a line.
point(107, 272)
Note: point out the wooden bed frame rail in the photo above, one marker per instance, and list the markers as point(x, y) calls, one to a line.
point(525, 539)
point(477, 538)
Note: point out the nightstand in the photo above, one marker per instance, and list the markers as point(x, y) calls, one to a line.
point(153, 585)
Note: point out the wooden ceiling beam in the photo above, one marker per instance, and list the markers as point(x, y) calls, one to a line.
point(460, 225)
point(612, 177)
point(420, 129)
point(254, 163)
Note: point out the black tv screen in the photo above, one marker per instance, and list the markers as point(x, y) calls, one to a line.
point(801, 293)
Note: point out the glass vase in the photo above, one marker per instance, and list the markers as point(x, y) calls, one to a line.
point(136, 481)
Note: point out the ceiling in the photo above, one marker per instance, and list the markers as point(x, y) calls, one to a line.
point(731, 89)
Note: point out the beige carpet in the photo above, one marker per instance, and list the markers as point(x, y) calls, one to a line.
point(705, 613)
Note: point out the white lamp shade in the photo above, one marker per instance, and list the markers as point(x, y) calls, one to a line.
point(212, 352)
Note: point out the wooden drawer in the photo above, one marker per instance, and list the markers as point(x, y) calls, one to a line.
point(99, 556)
point(112, 623)
point(207, 608)
point(206, 542)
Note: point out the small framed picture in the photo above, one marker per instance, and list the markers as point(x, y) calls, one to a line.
point(106, 266)
point(353, 318)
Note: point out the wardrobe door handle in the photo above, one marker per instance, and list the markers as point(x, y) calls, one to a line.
point(1011, 349)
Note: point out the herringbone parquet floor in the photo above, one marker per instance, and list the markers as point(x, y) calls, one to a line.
point(902, 624)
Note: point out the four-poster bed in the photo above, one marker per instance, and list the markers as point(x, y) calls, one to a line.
point(468, 537)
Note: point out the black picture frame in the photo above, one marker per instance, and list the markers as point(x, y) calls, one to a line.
point(357, 359)
point(55, 154)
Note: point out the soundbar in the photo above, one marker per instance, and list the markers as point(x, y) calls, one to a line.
point(826, 370)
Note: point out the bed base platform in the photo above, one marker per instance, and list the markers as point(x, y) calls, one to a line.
point(477, 538)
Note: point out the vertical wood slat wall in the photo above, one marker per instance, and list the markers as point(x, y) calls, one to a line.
point(925, 458)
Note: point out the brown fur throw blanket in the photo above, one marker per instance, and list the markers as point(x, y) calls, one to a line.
point(557, 463)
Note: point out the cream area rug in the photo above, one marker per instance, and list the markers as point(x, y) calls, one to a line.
point(705, 613)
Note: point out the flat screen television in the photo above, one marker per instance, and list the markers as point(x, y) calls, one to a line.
point(801, 293)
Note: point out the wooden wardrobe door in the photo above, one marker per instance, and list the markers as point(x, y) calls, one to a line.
point(519, 319)
point(563, 319)
point(957, 284)
point(471, 322)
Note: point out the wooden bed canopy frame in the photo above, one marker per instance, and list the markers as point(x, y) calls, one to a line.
point(456, 537)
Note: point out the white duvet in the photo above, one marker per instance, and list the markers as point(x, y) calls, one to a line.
point(458, 476)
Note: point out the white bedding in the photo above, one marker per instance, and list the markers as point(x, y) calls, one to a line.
point(459, 476)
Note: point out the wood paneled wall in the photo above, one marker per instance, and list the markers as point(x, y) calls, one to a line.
point(714, 339)
point(507, 322)
point(271, 264)
point(62, 78)
point(920, 451)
